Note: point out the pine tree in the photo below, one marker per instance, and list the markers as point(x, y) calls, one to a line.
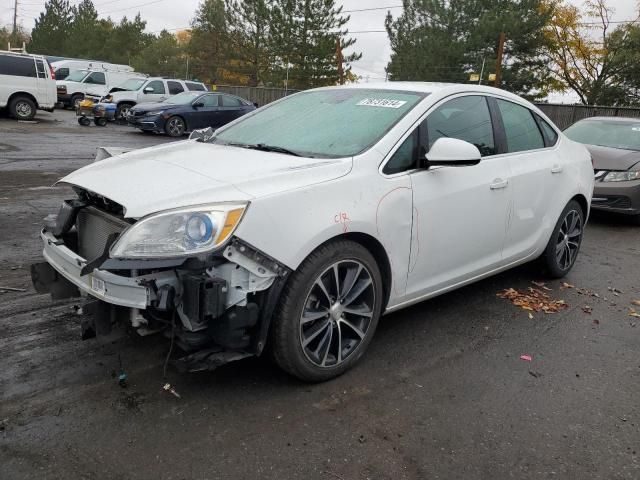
point(162, 57)
point(210, 44)
point(126, 40)
point(51, 28)
point(87, 36)
point(305, 36)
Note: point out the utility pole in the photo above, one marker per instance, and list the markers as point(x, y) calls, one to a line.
point(340, 60)
point(499, 60)
point(481, 72)
point(15, 20)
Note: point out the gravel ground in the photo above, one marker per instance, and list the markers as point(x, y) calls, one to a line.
point(442, 392)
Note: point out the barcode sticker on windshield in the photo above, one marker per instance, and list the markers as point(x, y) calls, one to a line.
point(381, 102)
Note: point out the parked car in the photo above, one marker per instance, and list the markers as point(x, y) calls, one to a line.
point(304, 221)
point(150, 90)
point(188, 111)
point(73, 89)
point(614, 143)
point(63, 67)
point(27, 84)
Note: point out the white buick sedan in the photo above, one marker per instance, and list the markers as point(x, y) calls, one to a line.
point(298, 225)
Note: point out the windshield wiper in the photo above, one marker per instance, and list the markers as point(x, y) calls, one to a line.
point(272, 148)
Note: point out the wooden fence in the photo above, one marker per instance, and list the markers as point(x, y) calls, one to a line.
point(566, 115)
point(259, 95)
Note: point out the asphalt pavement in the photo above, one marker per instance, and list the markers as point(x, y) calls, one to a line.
point(441, 394)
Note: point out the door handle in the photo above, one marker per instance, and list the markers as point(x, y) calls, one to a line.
point(556, 168)
point(498, 183)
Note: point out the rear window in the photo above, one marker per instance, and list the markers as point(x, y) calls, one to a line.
point(174, 88)
point(195, 87)
point(17, 66)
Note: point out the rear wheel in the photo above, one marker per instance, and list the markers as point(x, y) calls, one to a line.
point(22, 108)
point(564, 244)
point(100, 121)
point(175, 127)
point(328, 312)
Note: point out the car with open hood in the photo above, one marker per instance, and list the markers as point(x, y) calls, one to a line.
point(614, 143)
point(299, 224)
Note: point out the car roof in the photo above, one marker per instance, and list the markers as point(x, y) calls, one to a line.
point(613, 119)
point(174, 80)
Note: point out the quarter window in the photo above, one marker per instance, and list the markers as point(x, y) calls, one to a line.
point(228, 101)
point(465, 118)
point(195, 87)
point(41, 71)
point(157, 85)
point(175, 88)
point(404, 157)
point(550, 135)
point(520, 128)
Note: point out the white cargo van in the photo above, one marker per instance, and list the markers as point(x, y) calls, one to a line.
point(27, 84)
point(73, 89)
point(63, 68)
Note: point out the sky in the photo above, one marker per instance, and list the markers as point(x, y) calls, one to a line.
point(172, 14)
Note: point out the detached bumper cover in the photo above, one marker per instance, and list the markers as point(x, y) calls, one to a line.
point(106, 286)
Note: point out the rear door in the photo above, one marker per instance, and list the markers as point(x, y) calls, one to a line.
point(209, 115)
point(231, 108)
point(175, 87)
point(44, 97)
point(536, 179)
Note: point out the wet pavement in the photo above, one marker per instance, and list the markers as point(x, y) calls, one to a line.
point(441, 393)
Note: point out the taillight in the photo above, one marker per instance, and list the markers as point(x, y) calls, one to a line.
point(53, 74)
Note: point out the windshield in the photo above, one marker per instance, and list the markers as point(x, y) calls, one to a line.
point(606, 133)
point(324, 123)
point(132, 84)
point(77, 75)
point(183, 98)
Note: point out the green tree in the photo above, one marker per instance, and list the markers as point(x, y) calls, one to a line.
point(625, 40)
point(433, 40)
point(305, 38)
point(87, 35)
point(126, 40)
point(209, 45)
point(49, 35)
point(7, 37)
point(161, 57)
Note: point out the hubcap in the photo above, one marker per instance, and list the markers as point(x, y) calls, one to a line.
point(124, 111)
point(23, 109)
point(337, 313)
point(569, 238)
point(175, 126)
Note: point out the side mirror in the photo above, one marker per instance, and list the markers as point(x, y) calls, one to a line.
point(198, 105)
point(452, 152)
point(148, 90)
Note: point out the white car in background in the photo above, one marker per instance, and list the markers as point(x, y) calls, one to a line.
point(27, 84)
point(144, 90)
point(62, 68)
point(73, 89)
point(301, 223)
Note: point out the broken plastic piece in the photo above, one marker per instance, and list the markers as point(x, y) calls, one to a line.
point(526, 358)
point(168, 388)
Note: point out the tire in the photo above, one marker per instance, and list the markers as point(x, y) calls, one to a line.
point(335, 334)
point(22, 108)
point(564, 244)
point(175, 126)
point(75, 100)
point(121, 112)
point(84, 121)
point(100, 121)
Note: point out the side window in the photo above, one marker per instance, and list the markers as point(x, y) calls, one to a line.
point(550, 135)
point(174, 88)
point(62, 73)
point(228, 101)
point(466, 118)
point(195, 87)
point(17, 66)
point(209, 100)
point(41, 71)
point(96, 78)
point(157, 85)
point(520, 128)
point(404, 157)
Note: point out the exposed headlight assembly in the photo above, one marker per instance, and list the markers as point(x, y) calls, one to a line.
point(623, 176)
point(157, 112)
point(180, 232)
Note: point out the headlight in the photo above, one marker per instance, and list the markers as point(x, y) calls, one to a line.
point(622, 176)
point(180, 232)
point(157, 112)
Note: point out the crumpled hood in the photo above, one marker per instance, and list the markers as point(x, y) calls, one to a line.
point(188, 173)
point(607, 158)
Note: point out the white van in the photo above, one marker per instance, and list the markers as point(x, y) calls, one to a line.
point(73, 89)
point(63, 68)
point(145, 90)
point(27, 84)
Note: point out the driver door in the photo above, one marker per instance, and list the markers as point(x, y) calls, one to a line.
point(459, 213)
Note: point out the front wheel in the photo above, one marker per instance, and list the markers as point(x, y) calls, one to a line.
point(175, 127)
point(122, 111)
point(328, 312)
point(564, 244)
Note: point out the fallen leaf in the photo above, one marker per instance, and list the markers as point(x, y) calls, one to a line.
point(566, 285)
point(636, 302)
point(587, 309)
point(532, 300)
point(634, 314)
point(596, 322)
point(530, 316)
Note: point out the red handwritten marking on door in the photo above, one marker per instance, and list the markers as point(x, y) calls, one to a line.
point(342, 218)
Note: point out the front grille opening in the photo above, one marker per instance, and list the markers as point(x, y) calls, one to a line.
point(94, 228)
